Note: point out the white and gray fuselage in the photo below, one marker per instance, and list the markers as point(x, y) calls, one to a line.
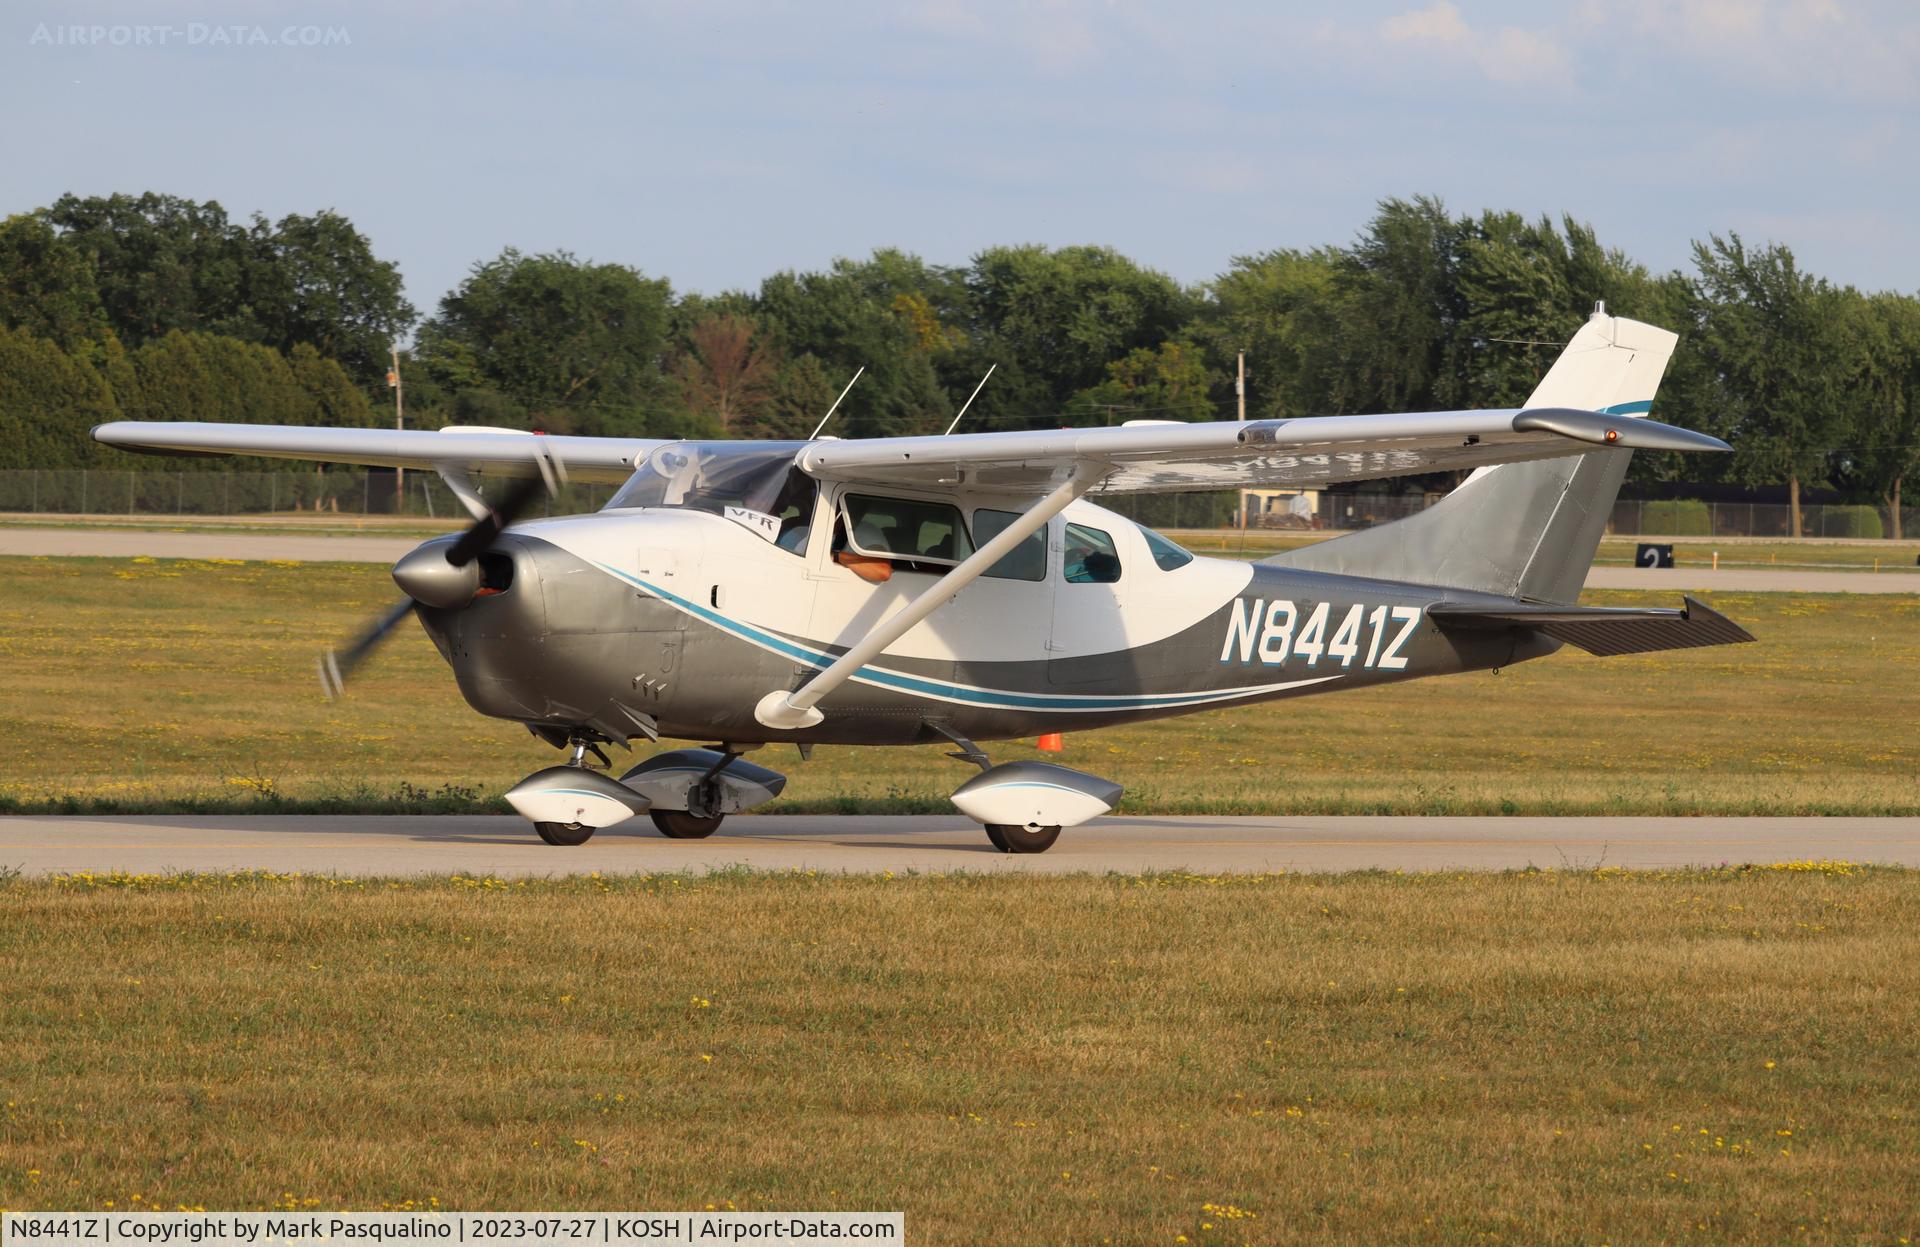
point(630, 621)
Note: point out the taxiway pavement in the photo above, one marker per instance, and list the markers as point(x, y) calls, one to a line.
point(392, 846)
point(304, 547)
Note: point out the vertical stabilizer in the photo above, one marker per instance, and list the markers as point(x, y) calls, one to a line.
point(1526, 530)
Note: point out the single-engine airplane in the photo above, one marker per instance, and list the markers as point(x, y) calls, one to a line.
point(963, 588)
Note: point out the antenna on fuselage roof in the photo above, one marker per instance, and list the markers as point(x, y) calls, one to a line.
point(971, 397)
point(836, 405)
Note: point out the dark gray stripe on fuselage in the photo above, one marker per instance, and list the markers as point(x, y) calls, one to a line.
point(589, 648)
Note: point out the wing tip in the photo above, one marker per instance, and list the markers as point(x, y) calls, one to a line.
point(1602, 429)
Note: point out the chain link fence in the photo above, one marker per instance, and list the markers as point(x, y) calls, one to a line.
point(1667, 518)
point(83, 491)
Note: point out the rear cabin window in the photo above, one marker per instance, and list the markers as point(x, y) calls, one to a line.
point(1026, 561)
point(907, 528)
point(1090, 557)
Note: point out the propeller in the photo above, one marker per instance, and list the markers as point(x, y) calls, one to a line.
point(445, 576)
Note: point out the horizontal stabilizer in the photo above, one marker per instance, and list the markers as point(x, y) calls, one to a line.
point(1603, 630)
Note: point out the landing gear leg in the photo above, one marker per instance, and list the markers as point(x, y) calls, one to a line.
point(571, 834)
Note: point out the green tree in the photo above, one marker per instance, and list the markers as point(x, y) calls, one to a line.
point(1277, 307)
point(1775, 338)
point(846, 318)
point(1523, 288)
point(1053, 319)
point(1396, 308)
point(315, 280)
point(1511, 280)
point(160, 263)
point(49, 402)
point(1169, 382)
point(1690, 394)
point(1886, 433)
point(801, 393)
point(204, 376)
point(332, 398)
point(46, 285)
point(553, 341)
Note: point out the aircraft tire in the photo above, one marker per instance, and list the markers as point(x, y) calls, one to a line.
point(567, 834)
point(680, 825)
point(1011, 839)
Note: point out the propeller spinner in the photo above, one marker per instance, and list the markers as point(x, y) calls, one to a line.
point(441, 575)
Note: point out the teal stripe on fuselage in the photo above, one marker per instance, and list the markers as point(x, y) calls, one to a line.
point(988, 698)
point(1640, 408)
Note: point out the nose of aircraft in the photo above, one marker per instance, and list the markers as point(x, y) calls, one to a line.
point(425, 575)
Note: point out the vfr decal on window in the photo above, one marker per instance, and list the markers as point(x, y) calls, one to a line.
point(759, 523)
point(1272, 632)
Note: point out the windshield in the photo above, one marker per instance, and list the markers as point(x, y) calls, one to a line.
point(1166, 555)
point(710, 476)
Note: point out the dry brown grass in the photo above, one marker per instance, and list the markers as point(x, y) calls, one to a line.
point(1710, 1057)
point(140, 685)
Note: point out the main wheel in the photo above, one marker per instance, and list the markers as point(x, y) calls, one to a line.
point(563, 833)
point(680, 825)
point(1010, 838)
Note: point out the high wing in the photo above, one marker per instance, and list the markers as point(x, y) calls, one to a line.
point(1132, 459)
point(1232, 454)
point(505, 452)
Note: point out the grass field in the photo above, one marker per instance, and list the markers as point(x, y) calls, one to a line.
point(141, 685)
point(1727, 1056)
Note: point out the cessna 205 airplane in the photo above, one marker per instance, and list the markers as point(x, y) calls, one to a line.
point(961, 588)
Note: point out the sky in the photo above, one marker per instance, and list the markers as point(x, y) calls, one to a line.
point(713, 143)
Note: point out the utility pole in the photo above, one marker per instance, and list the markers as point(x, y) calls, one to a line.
point(1240, 397)
point(399, 422)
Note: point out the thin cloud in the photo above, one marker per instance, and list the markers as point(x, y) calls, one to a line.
point(1508, 54)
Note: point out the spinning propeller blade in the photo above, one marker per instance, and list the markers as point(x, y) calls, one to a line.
point(337, 665)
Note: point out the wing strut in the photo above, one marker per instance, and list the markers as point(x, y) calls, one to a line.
point(790, 711)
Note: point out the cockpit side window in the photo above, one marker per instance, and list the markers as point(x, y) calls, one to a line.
point(793, 507)
point(1026, 561)
point(1090, 557)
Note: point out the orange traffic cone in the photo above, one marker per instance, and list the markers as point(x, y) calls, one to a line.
point(1051, 743)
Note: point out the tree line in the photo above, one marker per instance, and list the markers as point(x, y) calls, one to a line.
point(155, 307)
